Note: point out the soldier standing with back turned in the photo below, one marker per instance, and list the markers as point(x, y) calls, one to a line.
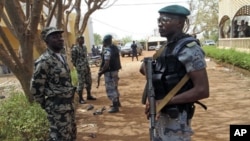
point(134, 51)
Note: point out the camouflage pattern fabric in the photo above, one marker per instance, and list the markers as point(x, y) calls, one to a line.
point(51, 87)
point(80, 61)
point(111, 79)
point(168, 129)
point(84, 77)
point(111, 84)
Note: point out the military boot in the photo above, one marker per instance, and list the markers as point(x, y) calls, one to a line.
point(119, 103)
point(89, 96)
point(81, 100)
point(114, 108)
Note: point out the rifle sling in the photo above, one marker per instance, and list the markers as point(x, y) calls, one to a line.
point(158, 52)
point(185, 78)
point(168, 97)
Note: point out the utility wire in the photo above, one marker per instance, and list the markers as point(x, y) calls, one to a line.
point(155, 3)
point(118, 27)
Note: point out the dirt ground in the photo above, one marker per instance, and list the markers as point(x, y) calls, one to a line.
point(229, 103)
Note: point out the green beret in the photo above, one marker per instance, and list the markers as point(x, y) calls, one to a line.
point(175, 10)
point(49, 30)
point(108, 36)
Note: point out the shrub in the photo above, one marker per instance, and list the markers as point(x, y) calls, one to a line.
point(22, 121)
point(231, 56)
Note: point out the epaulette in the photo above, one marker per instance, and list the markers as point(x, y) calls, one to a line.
point(191, 44)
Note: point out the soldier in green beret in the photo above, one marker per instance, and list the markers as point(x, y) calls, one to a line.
point(52, 87)
point(180, 56)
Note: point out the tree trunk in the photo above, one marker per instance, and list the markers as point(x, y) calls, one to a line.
point(24, 78)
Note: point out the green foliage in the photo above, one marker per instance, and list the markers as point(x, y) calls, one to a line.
point(127, 39)
point(22, 121)
point(231, 56)
point(97, 39)
point(205, 18)
point(74, 76)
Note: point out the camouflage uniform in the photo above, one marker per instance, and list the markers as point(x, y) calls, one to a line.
point(80, 61)
point(51, 87)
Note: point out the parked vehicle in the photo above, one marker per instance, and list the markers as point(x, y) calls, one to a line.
point(209, 43)
point(151, 47)
point(127, 50)
point(157, 47)
point(94, 60)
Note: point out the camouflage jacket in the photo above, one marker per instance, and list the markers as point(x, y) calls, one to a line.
point(79, 57)
point(51, 78)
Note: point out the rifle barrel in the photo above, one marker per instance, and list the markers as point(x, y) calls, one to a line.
point(151, 96)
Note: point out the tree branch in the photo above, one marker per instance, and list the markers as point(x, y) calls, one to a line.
point(10, 49)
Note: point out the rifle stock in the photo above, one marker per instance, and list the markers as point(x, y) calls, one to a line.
point(149, 91)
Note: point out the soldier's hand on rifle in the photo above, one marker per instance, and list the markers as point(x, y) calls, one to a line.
point(99, 74)
point(98, 79)
point(142, 69)
point(147, 109)
point(147, 106)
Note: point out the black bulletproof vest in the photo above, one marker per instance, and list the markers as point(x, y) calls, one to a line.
point(168, 70)
point(115, 63)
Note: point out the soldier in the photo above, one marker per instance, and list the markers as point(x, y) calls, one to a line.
point(52, 88)
point(172, 62)
point(110, 67)
point(134, 51)
point(80, 62)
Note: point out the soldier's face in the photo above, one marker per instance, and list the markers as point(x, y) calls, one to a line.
point(55, 42)
point(81, 41)
point(167, 24)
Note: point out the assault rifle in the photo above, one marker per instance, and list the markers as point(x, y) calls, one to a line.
point(98, 80)
point(150, 95)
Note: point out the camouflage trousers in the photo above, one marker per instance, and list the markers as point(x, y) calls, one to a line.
point(84, 78)
point(62, 122)
point(111, 84)
point(168, 129)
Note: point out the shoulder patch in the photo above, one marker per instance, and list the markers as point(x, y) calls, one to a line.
point(191, 44)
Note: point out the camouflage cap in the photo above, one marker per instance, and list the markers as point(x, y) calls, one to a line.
point(48, 30)
point(175, 10)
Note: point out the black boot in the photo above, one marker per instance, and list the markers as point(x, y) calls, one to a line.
point(81, 100)
point(89, 96)
point(114, 108)
point(119, 103)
